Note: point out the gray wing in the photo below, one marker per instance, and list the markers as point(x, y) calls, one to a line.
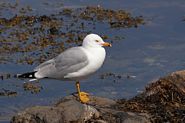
point(69, 61)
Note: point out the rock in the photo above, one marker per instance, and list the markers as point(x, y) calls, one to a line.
point(68, 109)
point(161, 101)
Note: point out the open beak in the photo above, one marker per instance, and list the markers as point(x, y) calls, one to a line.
point(106, 44)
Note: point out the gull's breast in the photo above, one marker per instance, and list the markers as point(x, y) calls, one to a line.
point(96, 57)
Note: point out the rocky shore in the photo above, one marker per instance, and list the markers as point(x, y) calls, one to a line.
point(161, 101)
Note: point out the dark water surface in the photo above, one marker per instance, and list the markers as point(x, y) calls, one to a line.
point(148, 52)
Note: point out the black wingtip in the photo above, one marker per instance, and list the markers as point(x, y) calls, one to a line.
point(27, 75)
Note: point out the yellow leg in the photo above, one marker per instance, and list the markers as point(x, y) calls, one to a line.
point(83, 97)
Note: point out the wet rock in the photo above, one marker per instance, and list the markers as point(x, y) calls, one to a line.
point(6, 92)
point(163, 100)
point(68, 109)
point(5, 75)
point(29, 36)
point(115, 77)
point(53, 31)
point(67, 11)
point(32, 86)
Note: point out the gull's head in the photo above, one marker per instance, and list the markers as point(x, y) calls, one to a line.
point(94, 40)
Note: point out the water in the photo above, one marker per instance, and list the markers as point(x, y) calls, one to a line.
point(148, 52)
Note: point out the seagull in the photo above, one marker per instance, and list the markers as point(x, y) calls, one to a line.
point(74, 64)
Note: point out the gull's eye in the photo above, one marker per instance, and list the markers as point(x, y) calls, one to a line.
point(97, 40)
